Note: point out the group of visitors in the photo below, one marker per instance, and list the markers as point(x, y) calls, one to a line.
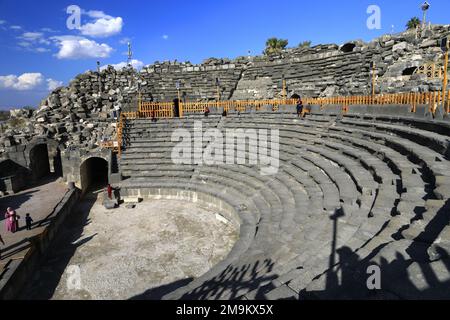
point(12, 221)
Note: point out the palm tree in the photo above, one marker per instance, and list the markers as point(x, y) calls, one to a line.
point(275, 45)
point(413, 23)
point(305, 44)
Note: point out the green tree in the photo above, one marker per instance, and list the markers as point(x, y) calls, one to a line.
point(413, 23)
point(305, 44)
point(275, 45)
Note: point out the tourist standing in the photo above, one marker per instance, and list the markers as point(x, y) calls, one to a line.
point(11, 220)
point(299, 106)
point(117, 110)
point(207, 111)
point(17, 222)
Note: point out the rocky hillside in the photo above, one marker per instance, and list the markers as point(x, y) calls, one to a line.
point(81, 114)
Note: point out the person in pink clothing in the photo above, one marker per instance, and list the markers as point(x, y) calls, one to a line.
point(11, 220)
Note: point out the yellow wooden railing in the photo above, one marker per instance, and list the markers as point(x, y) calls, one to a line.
point(166, 109)
point(156, 109)
point(432, 99)
point(235, 105)
point(432, 70)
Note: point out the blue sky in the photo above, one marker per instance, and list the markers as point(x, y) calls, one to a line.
point(39, 52)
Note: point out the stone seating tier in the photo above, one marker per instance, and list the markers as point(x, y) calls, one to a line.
point(371, 188)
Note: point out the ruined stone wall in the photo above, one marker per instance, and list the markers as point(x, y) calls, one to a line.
point(197, 82)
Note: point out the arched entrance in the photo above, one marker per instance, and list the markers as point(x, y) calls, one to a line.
point(57, 163)
point(295, 96)
point(176, 108)
point(39, 161)
point(44, 159)
point(93, 174)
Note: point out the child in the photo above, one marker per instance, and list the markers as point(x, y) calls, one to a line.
point(28, 221)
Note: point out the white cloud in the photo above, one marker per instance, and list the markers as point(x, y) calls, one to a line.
point(103, 25)
point(165, 37)
point(41, 50)
point(119, 66)
point(15, 27)
point(36, 37)
point(24, 44)
point(32, 36)
point(53, 84)
point(73, 47)
point(26, 81)
point(49, 30)
point(97, 14)
point(28, 46)
point(2, 21)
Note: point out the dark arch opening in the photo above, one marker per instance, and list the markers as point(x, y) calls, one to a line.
point(176, 108)
point(57, 163)
point(409, 71)
point(93, 174)
point(295, 96)
point(348, 47)
point(39, 161)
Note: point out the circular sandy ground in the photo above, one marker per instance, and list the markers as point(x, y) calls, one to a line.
point(134, 253)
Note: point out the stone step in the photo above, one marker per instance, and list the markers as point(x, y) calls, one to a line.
point(433, 140)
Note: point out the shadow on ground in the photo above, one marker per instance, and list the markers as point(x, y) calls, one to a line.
point(44, 283)
point(407, 272)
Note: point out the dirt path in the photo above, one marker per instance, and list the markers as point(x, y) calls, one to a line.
point(39, 201)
